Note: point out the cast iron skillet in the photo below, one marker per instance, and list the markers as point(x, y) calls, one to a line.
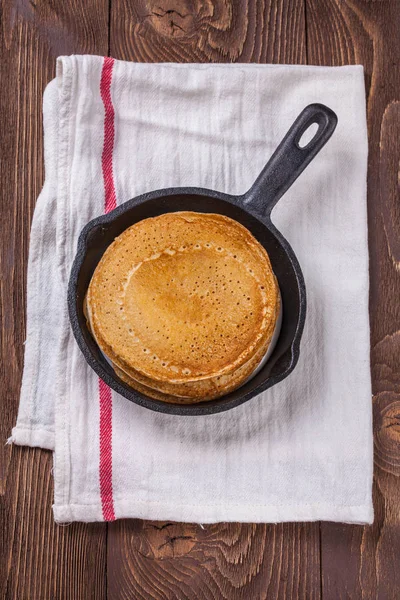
point(253, 210)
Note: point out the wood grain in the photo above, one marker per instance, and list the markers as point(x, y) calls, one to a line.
point(208, 31)
point(38, 560)
point(227, 561)
point(363, 562)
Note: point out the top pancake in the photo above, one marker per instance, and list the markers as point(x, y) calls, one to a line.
point(183, 296)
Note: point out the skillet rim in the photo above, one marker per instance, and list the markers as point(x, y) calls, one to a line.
point(203, 408)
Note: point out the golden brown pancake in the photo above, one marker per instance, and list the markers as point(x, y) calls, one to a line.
point(180, 300)
point(203, 389)
point(151, 392)
point(188, 392)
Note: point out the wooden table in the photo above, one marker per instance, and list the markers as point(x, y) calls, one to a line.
point(142, 560)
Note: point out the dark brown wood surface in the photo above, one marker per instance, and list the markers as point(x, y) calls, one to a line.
point(135, 559)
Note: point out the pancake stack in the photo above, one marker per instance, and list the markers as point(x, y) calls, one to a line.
point(184, 306)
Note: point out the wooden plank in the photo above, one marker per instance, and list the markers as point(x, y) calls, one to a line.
point(37, 559)
point(263, 31)
point(363, 562)
point(233, 561)
point(165, 561)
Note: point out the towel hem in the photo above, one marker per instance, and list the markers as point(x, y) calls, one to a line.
point(30, 436)
point(159, 511)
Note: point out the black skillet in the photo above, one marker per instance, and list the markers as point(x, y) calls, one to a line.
point(253, 210)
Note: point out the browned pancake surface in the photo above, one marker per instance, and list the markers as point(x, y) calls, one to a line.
point(199, 390)
point(183, 296)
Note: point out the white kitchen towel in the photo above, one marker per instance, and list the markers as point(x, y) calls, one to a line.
point(301, 451)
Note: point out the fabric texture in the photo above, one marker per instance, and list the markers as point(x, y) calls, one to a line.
point(301, 451)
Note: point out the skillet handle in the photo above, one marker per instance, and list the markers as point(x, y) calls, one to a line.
point(289, 159)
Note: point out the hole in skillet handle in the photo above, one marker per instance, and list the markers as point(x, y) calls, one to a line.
point(308, 135)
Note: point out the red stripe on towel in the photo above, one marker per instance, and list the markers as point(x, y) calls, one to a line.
point(109, 135)
point(106, 489)
point(110, 202)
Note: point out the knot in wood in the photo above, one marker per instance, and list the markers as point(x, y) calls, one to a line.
point(171, 18)
point(163, 540)
point(387, 432)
